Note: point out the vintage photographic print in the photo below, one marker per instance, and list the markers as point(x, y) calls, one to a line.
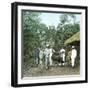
point(50, 44)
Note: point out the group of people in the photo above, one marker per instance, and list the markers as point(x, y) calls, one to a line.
point(72, 56)
point(46, 55)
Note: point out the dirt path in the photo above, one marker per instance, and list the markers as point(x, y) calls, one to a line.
point(52, 71)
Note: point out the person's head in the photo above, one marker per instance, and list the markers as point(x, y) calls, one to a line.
point(73, 47)
point(47, 46)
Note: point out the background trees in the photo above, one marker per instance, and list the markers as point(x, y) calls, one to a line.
point(30, 36)
point(37, 34)
point(66, 28)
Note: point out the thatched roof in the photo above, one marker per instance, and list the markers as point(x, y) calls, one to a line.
point(74, 38)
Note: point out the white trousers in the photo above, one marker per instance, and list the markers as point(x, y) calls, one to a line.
point(73, 61)
point(63, 59)
point(46, 61)
point(37, 61)
point(50, 60)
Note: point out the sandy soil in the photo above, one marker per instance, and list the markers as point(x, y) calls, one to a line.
point(52, 71)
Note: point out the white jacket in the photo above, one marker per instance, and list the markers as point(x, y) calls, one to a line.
point(73, 53)
point(47, 52)
point(62, 51)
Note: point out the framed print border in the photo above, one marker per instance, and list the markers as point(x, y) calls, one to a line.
point(15, 49)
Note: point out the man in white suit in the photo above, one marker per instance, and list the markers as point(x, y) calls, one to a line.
point(51, 50)
point(73, 56)
point(47, 55)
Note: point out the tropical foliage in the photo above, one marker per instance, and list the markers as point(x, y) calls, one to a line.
point(37, 34)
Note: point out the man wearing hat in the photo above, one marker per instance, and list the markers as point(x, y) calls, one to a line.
point(73, 56)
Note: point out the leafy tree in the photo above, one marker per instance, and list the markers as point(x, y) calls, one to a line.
point(30, 25)
point(66, 28)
